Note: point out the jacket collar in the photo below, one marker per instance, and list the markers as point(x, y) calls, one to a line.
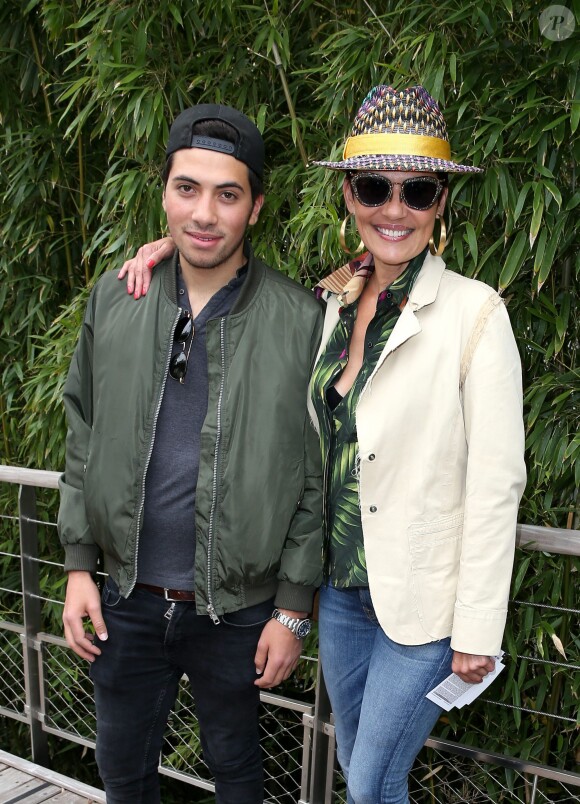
point(426, 286)
point(423, 292)
point(254, 278)
point(408, 325)
point(256, 270)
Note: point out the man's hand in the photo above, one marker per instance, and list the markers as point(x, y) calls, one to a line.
point(139, 268)
point(82, 600)
point(470, 667)
point(278, 652)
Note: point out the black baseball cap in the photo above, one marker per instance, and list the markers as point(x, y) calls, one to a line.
point(249, 147)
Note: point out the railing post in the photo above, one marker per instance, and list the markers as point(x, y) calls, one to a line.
point(32, 622)
point(319, 770)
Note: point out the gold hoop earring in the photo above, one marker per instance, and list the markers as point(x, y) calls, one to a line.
point(437, 252)
point(342, 238)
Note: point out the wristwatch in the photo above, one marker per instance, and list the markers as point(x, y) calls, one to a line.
point(300, 628)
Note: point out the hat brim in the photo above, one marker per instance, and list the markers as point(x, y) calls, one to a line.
point(407, 163)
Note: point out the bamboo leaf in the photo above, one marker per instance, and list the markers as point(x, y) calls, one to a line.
point(553, 123)
point(554, 191)
point(550, 251)
point(509, 7)
point(521, 200)
point(540, 249)
point(574, 116)
point(471, 238)
point(453, 67)
point(176, 13)
point(513, 261)
point(538, 211)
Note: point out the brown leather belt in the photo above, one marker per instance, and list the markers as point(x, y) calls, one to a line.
point(172, 595)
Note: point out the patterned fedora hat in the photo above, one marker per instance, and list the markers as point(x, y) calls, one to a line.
point(399, 129)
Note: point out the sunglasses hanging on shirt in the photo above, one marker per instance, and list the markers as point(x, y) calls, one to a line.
point(374, 190)
point(184, 331)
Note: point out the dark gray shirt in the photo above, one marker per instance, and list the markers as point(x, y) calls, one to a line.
point(166, 552)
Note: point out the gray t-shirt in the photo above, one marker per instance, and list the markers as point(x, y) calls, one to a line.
point(166, 554)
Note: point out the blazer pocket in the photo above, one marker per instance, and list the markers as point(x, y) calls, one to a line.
point(435, 551)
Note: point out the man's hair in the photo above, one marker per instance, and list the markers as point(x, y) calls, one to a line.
point(219, 130)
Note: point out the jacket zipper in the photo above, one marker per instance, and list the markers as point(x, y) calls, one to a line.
point(150, 452)
point(210, 607)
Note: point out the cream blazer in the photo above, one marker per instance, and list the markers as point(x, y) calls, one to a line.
point(441, 443)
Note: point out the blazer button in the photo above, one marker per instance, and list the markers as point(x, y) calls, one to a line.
point(373, 509)
point(372, 456)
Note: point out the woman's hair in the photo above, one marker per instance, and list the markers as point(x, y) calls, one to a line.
point(219, 130)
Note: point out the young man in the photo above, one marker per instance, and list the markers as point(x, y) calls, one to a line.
point(193, 467)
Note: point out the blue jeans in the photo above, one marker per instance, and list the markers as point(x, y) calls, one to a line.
point(377, 691)
point(151, 644)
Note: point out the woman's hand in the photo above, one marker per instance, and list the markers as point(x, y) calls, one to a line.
point(139, 268)
point(471, 667)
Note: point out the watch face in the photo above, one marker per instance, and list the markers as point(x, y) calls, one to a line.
point(303, 629)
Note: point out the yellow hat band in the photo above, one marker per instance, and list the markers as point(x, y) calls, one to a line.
point(395, 144)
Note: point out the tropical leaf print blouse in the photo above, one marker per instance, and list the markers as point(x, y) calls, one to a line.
point(345, 557)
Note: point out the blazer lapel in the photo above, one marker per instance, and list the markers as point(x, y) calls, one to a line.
point(424, 292)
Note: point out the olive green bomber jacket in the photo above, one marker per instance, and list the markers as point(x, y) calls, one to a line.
point(258, 499)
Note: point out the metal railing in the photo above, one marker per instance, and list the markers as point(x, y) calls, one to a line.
point(47, 687)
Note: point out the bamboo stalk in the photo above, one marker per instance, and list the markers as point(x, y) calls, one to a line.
point(41, 73)
point(40, 69)
point(81, 159)
point(82, 205)
point(6, 457)
point(280, 68)
point(67, 251)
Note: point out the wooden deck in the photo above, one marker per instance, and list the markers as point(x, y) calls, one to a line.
point(26, 783)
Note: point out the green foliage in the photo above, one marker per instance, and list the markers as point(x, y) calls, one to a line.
point(85, 104)
point(87, 93)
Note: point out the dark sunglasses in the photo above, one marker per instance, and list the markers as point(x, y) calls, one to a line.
point(374, 190)
point(183, 332)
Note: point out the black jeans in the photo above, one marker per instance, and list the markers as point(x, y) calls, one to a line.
point(151, 644)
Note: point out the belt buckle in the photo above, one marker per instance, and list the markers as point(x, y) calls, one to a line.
point(166, 596)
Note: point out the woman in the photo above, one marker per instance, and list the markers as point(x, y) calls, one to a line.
point(417, 396)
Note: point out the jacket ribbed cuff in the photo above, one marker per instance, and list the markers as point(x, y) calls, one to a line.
point(294, 597)
point(82, 557)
